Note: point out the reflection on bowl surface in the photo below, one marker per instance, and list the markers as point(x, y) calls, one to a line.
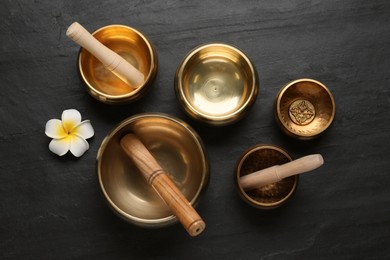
point(216, 84)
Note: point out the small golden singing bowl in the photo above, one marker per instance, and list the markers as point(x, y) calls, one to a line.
point(216, 84)
point(272, 195)
point(135, 48)
point(304, 108)
point(176, 147)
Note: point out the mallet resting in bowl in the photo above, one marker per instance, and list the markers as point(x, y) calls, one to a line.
point(162, 183)
point(278, 172)
point(113, 61)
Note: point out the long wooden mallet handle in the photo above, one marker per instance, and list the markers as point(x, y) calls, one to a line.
point(163, 184)
point(278, 172)
point(113, 61)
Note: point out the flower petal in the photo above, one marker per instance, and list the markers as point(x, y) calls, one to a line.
point(84, 130)
point(54, 129)
point(70, 118)
point(78, 145)
point(60, 146)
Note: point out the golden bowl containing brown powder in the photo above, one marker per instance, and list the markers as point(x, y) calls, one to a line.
point(272, 195)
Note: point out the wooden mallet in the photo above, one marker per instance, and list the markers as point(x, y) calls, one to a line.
point(162, 183)
point(278, 172)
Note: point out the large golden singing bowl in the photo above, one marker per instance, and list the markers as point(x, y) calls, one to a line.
point(272, 195)
point(135, 48)
point(304, 108)
point(216, 84)
point(176, 147)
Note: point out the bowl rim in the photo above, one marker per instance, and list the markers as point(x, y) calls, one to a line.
point(241, 191)
point(222, 119)
point(278, 111)
point(159, 221)
point(123, 97)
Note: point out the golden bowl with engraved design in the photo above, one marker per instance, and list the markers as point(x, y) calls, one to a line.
point(216, 84)
point(304, 108)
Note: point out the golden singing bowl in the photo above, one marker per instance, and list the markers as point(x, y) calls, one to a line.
point(304, 108)
point(216, 84)
point(272, 195)
point(135, 48)
point(176, 147)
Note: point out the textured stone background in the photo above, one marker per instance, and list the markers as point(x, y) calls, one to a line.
point(51, 207)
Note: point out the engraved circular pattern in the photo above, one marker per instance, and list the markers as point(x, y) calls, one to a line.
point(302, 112)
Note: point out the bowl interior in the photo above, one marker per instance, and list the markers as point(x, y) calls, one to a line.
point(216, 81)
point(129, 44)
point(177, 150)
point(305, 108)
point(272, 195)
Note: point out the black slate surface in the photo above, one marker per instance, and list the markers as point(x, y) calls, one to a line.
point(51, 207)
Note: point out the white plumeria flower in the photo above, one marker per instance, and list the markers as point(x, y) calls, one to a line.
point(69, 134)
